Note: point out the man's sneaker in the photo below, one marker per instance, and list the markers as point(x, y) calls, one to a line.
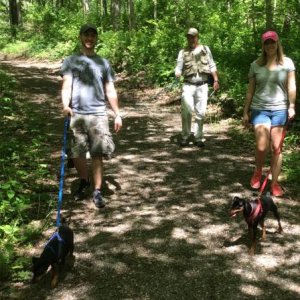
point(199, 144)
point(255, 180)
point(97, 199)
point(276, 190)
point(184, 143)
point(81, 191)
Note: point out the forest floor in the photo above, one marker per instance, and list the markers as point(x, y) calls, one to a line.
point(165, 232)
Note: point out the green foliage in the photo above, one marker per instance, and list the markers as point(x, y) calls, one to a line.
point(292, 155)
point(148, 49)
point(6, 257)
point(21, 269)
point(7, 83)
point(22, 168)
point(114, 46)
point(291, 170)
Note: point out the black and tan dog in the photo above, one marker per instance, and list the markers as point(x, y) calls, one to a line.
point(54, 254)
point(254, 212)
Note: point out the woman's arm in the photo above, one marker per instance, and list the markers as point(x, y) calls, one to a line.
point(249, 96)
point(291, 84)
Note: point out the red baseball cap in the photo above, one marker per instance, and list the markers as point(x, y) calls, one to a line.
point(270, 35)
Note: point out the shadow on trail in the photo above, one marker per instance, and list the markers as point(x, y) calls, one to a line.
point(166, 233)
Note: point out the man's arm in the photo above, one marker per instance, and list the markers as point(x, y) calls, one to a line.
point(66, 95)
point(112, 97)
point(179, 65)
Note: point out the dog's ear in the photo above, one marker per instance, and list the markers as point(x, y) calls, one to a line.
point(63, 220)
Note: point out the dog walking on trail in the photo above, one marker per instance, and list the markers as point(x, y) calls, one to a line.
point(255, 212)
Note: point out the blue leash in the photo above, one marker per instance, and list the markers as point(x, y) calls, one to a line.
point(62, 170)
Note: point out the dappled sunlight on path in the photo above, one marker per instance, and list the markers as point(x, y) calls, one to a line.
point(166, 231)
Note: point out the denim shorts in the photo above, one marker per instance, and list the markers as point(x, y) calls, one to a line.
point(269, 117)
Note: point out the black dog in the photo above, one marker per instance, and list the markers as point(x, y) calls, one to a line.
point(254, 213)
point(54, 254)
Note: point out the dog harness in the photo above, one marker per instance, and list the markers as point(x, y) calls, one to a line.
point(60, 242)
point(255, 212)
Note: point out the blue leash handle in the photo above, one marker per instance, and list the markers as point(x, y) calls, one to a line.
point(62, 170)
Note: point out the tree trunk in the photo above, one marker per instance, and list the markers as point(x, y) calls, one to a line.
point(13, 17)
point(104, 3)
point(155, 9)
point(287, 24)
point(269, 14)
point(85, 6)
point(131, 14)
point(13, 12)
point(254, 30)
point(115, 13)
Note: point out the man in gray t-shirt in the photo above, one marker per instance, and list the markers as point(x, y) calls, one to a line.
point(87, 82)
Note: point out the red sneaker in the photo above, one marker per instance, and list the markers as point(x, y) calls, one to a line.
point(276, 190)
point(255, 180)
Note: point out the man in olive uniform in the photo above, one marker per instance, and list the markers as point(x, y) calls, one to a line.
point(195, 63)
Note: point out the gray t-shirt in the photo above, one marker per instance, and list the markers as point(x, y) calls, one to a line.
point(89, 74)
point(271, 85)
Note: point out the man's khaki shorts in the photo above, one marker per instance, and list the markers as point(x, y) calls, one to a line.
point(90, 133)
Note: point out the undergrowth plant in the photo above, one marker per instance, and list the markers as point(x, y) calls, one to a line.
point(23, 179)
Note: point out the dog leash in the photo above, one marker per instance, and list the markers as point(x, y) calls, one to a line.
point(60, 240)
point(62, 170)
point(276, 152)
point(259, 210)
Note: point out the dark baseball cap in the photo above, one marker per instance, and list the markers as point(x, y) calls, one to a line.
point(84, 28)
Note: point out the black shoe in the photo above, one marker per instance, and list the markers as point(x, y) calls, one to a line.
point(97, 199)
point(184, 143)
point(199, 144)
point(81, 191)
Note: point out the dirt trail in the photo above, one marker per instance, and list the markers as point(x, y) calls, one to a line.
point(165, 233)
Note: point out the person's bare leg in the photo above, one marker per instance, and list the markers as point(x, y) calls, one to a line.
point(276, 161)
point(97, 166)
point(81, 166)
point(262, 137)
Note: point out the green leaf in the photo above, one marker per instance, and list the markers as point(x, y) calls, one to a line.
point(10, 194)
